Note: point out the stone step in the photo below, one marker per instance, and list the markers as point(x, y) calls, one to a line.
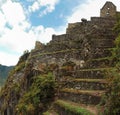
point(81, 96)
point(102, 52)
point(71, 108)
point(98, 73)
point(100, 63)
point(76, 52)
point(108, 43)
point(83, 84)
point(60, 53)
point(77, 42)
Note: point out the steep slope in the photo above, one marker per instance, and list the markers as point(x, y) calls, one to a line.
point(75, 61)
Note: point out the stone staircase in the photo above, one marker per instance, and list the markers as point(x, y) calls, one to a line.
point(82, 85)
point(82, 91)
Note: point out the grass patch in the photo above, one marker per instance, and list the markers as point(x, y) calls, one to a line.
point(100, 59)
point(73, 108)
point(55, 52)
point(84, 92)
point(89, 80)
point(46, 113)
point(50, 112)
point(96, 69)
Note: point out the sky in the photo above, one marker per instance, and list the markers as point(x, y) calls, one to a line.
point(22, 22)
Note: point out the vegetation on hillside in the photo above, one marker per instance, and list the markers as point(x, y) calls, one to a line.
point(39, 96)
point(112, 98)
point(72, 108)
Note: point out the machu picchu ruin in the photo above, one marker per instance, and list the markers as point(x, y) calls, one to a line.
point(77, 60)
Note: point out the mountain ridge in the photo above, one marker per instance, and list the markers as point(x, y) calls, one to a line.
point(4, 71)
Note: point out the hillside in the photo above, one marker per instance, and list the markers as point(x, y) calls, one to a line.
point(67, 75)
point(4, 71)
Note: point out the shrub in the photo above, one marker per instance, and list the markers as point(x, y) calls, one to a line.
point(112, 97)
point(38, 97)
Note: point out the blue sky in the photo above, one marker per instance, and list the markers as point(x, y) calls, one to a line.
point(55, 18)
point(22, 22)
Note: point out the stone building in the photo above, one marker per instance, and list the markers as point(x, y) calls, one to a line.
point(108, 10)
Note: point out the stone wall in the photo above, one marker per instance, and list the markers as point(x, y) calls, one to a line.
point(95, 23)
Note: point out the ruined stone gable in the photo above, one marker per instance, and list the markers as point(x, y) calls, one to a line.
point(108, 10)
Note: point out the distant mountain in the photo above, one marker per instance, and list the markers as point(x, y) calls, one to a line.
point(4, 71)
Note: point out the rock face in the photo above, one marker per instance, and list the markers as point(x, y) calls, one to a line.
point(77, 60)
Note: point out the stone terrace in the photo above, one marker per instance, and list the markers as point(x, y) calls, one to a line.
point(83, 54)
point(78, 60)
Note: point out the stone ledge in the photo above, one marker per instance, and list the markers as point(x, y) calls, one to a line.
point(81, 96)
point(85, 84)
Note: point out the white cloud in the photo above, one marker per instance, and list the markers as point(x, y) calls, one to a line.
point(17, 39)
point(13, 12)
point(8, 59)
point(2, 2)
point(2, 20)
point(48, 5)
point(16, 33)
point(43, 34)
point(35, 6)
point(88, 9)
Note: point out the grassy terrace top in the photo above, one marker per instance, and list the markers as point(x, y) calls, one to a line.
point(90, 92)
point(87, 80)
point(95, 69)
point(73, 108)
point(61, 51)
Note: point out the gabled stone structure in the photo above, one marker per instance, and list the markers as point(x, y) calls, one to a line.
point(108, 10)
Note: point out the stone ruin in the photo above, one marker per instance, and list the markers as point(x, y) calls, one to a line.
point(108, 10)
point(81, 57)
point(88, 45)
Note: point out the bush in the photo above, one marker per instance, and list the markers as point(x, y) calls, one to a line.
point(40, 94)
point(112, 97)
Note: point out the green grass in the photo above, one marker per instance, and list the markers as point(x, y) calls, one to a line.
point(97, 69)
point(49, 112)
point(100, 59)
point(55, 52)
point(90, 92)
point(109, 49)
point(89, 80)
point(71, 79)
point(73, 108)
point(46, 113)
